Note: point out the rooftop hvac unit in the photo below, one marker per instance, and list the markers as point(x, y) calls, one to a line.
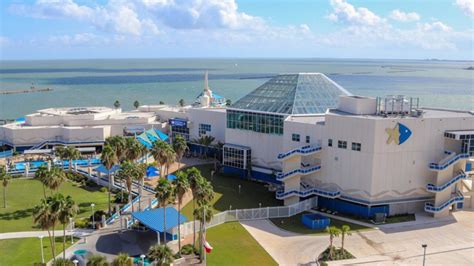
point(396, 104)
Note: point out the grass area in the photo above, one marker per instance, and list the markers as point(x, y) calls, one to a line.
point(233, 245)
point(26, 251)
point(400, 218)
point(226, 188)
point(294, 224)
point(24, 194)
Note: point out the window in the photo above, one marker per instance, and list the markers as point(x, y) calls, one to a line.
point(257, 122)
point(330, 142)
point(308, 139)
point(183, 131)
point(204, 129)
point(342, 144)
point(238, 157)
point(356, 146)
point(295, 137)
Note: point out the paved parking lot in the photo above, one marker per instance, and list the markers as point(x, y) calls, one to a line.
point(450, 242)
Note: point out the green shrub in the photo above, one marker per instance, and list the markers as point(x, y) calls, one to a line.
point(188, 249)
point(103, 189)
point(81, 223)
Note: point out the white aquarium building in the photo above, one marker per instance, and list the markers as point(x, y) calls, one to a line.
point(308, 136)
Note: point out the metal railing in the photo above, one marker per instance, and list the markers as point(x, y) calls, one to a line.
point(281, 194)
point(443, 165)
point(434, 188)
point(6, 154)
point(429, 207)
point(300, 171)
point(305, 150)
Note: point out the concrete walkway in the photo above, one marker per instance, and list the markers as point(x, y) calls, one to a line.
point(27, 234)
point(450, 242)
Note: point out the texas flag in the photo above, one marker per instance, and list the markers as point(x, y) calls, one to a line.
point(207, 246)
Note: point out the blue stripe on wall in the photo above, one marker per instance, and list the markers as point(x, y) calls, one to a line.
point(351, 208)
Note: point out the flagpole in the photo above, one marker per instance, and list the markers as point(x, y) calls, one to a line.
point(203, 234)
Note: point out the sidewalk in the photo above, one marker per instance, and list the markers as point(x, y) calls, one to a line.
point(27, 234)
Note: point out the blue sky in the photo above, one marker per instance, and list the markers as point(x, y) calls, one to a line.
point(61, 29)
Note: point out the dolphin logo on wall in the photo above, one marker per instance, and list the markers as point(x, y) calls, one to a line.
point(398, 134)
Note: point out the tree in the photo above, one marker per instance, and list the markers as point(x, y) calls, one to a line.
point(333, 232)
point(97, 260)
point(194, 175)
point(133, 149)
point(117, 104)
point(46, 214)
point(122, 259)
point(170, 156)
point(55, 178)
point(205, 141)
point(118, 144)
point(162, 254)
point(179, 146)
point(345, 230)
point(159, 153)
point(108, 159)
point(164, 193)
point(5, 178)
point(42, 174)
point(67, 210)
point(181, 186)
point(128, 172)
point(161, 102)
point(204, 214)
point(140, 173)
point(136, 104)
point(68, 153)
point(181, 102)
point(228, 102)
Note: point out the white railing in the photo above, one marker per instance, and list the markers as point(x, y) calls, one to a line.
point(251, 214)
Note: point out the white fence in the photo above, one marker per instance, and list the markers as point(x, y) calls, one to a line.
point(251, 214)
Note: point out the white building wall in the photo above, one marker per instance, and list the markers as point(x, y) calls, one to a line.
point(313, 130)
point(214, 117)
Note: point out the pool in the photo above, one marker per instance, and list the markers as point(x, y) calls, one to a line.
point(36, 164)
point(315, 221)
point(81, 252)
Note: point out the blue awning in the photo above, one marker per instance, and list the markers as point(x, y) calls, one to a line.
point(171, 177)
point(152, 171)
point(102, 169)
point(153, 219)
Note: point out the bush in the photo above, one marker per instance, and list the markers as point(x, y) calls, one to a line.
point(62, 262)
point(124, 200)
point(81, 223)
point(188, 249)
point(103, 189)
point(76, 177)
point(90, 183)
point(98, 215)
point(337, 255)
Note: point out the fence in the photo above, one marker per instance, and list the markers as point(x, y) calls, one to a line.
point(6, 154)
point(251, 214)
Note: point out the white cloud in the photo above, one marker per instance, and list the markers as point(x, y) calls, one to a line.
point(467, 6)
point(4, 41)
point(404, 16)
point(75, 39)
point(435, 26)
point(344, 12)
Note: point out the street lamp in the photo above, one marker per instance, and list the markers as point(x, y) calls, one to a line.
point(93, 218)
point(75, 262)
point(424, 252)
point(71, 222)
point(42, 252)
point(142, 256)
point(260, 205)
point(239, 188)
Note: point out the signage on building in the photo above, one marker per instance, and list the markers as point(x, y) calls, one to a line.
point(175, 122)
point(398, 134)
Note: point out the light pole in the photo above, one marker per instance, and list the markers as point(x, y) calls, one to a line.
point(260, 205)
point(71, 222)
point(424, 252)
point(75, 262)
point(142, 256)
point(42, 252)
point(239, 188)
point(93, 218)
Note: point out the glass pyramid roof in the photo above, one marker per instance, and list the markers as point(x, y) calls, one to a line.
point(303, 93)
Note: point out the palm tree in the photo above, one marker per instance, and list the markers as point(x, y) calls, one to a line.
point(133, 149)
point(117, 104)
point(136, 104)
point(118, 144)
point(42, 174)
point(181, 102)
point(165, 195)
point(170, 156)
point(345, 230)
point(68, 153)
point(204, 214)
point(55, 178)
point(127, 172)
point(97, 260)
point(333, 232)
point(122, 259)
point(179, 146)
point(140, 174)
point(162, 254)
point(45, 215)
point(205, 141)
point(67, 210)
point(5, 181)
point(108, 159)
point(158, 151)
point(194, 175)
point(181, 186)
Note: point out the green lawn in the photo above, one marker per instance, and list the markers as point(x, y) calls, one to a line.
point(233, 245)
point(24, 194)
point(227, 193)
point(294, 224)
point(26, 251)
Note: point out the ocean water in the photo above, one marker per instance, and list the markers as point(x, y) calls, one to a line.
point(444, 84)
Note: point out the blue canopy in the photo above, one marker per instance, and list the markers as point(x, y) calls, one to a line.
point(153, 218)
point(148, 137)
point(102, 169)
point(152, 171)
point(171, 177)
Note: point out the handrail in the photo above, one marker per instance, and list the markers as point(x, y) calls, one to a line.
point(302, 150)
point(37, 146)
point(435, 188)
point(304, 171)
point(128, 205)
point(444, 165)
point(429, 207)
point(281, 194)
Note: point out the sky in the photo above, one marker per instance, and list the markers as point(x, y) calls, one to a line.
point(387, 29)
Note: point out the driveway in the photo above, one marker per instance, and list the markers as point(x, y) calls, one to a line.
point(450, 242)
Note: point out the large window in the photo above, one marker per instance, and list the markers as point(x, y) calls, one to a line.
point(342, 144)
point(183, 131)
point(356, 146)
point(236, 156)
point(308, 139)
point(295, 137)
point(330, 142)
point(257, 122)
point(204, 129)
